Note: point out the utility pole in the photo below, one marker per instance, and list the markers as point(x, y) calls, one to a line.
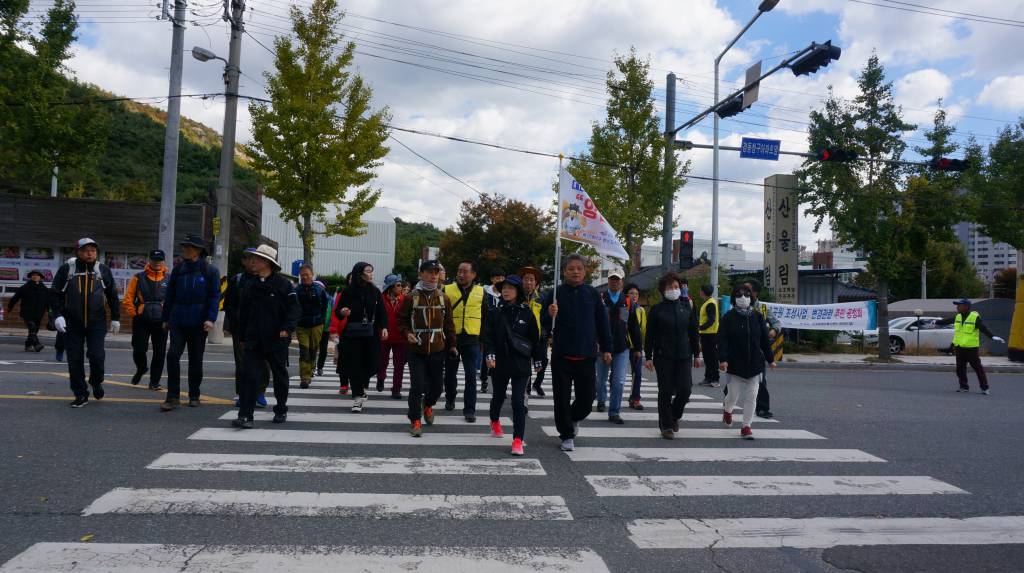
point(670, 168)
point(222, 241)
point(169, 183)
point(53, 182)
point(924, 279)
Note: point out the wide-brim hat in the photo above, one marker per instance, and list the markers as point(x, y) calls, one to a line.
point(514, 280)
point(267, 253)
point(194, 241)
point(36, 272)
point(531, 271)
point(391, 280)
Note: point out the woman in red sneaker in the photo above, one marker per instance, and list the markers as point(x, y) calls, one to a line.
point(743, 349)
point(513, 352)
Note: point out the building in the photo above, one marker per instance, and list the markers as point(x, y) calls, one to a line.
point(833, 255)
point(987, 257)
point(335, 255)
point(731, 256)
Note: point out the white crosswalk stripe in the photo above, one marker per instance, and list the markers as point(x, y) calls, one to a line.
point(591, 431)
point(315, 464)
point(598, 454)
point(645, 416)
point(165, 501)
point(393, 438)
point(662, 486)
point(364, 418)
point(824, 532)
point(158, 558)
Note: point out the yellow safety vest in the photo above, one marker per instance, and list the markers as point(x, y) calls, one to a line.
point(641, 318)
point(703, 317)
point(966, 333)
point(468, 314)
point(535, 306)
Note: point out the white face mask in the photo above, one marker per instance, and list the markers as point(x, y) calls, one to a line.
point(743, 302)
point(672, 294)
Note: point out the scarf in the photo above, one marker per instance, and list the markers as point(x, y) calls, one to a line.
point(426, 287)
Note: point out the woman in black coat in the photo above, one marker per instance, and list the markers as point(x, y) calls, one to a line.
point(672, 345)
point(366, 327)
point(743, 349)
point(32, 295)
point(513, 351)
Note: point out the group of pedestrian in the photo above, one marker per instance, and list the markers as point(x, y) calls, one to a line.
point(502, 331)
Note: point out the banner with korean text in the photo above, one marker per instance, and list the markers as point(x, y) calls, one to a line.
point(842, 316)
point(580, 221)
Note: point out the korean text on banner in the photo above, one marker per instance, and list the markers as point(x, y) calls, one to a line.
point(582, 222)
point(842, 316)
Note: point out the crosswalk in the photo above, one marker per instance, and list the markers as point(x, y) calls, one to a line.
point(322, 438)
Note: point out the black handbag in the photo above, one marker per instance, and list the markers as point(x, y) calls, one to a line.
point(518, 343)
point(365, 328)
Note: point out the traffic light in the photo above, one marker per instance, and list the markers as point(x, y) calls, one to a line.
point(836, 155)
point(946, 164)
point(731, 107)
point(686, 249)
point(820, 56)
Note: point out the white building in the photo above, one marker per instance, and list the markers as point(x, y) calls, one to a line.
point(987, 257)
point(336, 254)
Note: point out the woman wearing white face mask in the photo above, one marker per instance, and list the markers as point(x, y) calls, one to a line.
point(742, 342)
point(671, 346)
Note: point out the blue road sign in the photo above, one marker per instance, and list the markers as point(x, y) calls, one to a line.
point(752, 148)
point(295, 266)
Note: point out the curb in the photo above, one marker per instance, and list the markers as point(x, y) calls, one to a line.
point(994, 369)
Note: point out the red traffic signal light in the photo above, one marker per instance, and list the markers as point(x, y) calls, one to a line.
point(820, 56)
point(731, 107)
point(687, 238)
point(836, 155)
point(947, 164)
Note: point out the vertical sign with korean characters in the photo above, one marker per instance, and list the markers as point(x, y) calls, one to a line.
point(781, 247)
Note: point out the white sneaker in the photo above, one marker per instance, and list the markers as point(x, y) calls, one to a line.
point(357, 405)
point(568, 445)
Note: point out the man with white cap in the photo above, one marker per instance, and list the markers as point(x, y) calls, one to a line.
point(268, 312)
point(77, 298)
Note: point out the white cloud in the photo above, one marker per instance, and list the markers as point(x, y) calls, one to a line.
point(1004, 92)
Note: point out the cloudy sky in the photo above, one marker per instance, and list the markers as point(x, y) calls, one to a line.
point(530, 74)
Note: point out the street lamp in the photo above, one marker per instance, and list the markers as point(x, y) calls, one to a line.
point(765, 6)
point(918, 312)
point(222, 220)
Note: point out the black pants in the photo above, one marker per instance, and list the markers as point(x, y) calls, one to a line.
point(58, 344)
point(675, 382)
point(239, 351)
point(142, 333)
point(32, 340)
point(501, 381)
point(255, 363)
point(359, 357)
point(426, 381)
point(76, 340)
point(709, 347)
point(468, 355)
point(322, 359)
point(965, 356)
point(539, 379)
point(763, 399)
point(192, 338)
point(568, 376)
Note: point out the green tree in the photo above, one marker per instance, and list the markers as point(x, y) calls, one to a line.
point(500, 234)
point(631, 196)
point(950, 273)
point(37, 133)
point(996, 191)
point(319, 138)
point(870, 204)
point(410, 238)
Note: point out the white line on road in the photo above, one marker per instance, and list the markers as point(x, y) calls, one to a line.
point(713, 485)
point(344, 418)
point(339, 437)
point(646, 416)
point(165, 501)
point(719, 455)
point(824, 532)
point(314, 464)
point(144, 558)
point(590, 430)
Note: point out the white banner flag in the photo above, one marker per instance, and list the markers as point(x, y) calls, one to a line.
point(580, 221)
point(842, 316)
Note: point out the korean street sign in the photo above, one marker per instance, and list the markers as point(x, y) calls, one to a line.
point(752, 148)
point(781, 242)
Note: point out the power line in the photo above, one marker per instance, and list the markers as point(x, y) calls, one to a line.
point(439, 168)
point(919, 9)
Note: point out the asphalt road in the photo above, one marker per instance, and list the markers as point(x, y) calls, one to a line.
point(80, 477)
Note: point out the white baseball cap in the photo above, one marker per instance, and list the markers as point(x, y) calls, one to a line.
point(86, 241)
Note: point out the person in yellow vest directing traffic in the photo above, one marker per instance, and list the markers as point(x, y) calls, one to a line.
point(968, 328)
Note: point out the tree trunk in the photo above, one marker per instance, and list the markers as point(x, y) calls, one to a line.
point(883, 318)
point(636, 258)
point(306, 232)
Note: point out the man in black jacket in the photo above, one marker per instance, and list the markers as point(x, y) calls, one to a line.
point(77, 299)
point(32, 295)
point(578, 323)
point(268, 311)
point(233, 287)
point(626, 345)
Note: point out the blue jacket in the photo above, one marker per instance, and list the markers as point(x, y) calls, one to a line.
point(582, 325)
point(193, 294)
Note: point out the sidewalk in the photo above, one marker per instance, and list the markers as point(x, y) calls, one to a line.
point(931, 363)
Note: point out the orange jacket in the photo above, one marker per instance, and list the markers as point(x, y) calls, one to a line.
point(129, 304)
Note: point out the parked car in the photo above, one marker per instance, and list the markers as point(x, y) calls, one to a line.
point(906, 331)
